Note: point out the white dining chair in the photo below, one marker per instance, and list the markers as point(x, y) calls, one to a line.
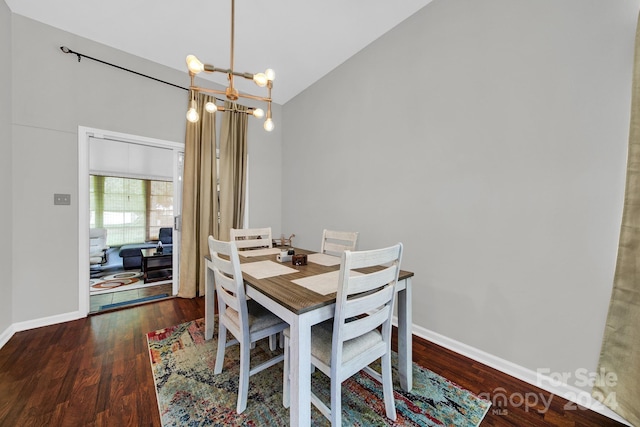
point(251, 238)
point(351, 340)
point(247, 321)
point(255, 238)
point(336, 242)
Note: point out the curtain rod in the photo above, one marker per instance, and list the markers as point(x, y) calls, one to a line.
point(81, 55)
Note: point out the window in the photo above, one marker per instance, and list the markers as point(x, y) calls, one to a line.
point(160, 207)
point(132, 210)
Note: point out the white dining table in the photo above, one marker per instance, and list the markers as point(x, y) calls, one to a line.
point(302, 308)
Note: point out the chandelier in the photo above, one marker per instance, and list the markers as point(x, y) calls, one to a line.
point(261, 79)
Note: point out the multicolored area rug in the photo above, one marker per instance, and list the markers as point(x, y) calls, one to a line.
point(190, 395)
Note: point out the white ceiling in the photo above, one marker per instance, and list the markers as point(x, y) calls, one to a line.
point(301, 40)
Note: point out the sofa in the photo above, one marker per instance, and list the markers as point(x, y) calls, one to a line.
point(131, 254)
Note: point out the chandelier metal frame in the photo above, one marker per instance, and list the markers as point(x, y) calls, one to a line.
point(232, 94)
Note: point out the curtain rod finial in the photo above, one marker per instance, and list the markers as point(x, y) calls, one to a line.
point(67, 50)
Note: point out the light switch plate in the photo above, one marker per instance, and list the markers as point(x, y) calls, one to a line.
point(62, 199)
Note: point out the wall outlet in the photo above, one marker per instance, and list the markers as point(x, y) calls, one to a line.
point(62, 199)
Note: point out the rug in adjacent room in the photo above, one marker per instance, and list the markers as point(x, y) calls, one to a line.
point(188, 393)
point(124, 281)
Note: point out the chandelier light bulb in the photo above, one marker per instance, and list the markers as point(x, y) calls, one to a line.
point(194, 65)
point(192, 115)
point(211, 107)
point(258, 113)
point(268, 125)
point(271, 75)
point(260, 79)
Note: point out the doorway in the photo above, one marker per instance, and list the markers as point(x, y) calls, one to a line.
point(145, 164)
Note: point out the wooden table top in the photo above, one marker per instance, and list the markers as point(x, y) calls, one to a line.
point(294, 297)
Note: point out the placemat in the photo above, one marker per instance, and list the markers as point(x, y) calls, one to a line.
point(323, 259)
point(323, 284)
point(259, 252)
point(264, 269)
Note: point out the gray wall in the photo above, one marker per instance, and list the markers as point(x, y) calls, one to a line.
point(50, 101)
point(490, 138)
point(5, 167)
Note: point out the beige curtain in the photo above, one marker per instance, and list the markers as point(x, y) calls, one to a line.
point(619, 367)
point(233, 168)
point(199, 199)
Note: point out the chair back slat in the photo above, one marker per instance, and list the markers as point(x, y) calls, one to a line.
point(369, 258)
point(224, 265)
point(251, 238)
point(226, 288)
point(367, 303)
point(336, 242)
point(365, 324)
point(367, 282)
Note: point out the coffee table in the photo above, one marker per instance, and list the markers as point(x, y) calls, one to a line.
point(157, 266)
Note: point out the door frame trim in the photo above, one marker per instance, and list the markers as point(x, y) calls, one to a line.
point(84, 133)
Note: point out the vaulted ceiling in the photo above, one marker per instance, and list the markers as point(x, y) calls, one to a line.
point(301, 40)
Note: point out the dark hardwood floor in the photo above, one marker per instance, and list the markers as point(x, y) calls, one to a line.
point(96, 372)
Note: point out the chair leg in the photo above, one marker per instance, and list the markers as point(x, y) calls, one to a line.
point(222, 345)
point(336, 403)
point(387, 386)
point(273, 342)
point(243, 382)
point(286, 380)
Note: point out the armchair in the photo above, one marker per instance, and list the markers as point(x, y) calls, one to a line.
point(98, 246)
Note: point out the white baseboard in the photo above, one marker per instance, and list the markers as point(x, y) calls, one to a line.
point(6, 335)
point(569, 392)
point(37, 323)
